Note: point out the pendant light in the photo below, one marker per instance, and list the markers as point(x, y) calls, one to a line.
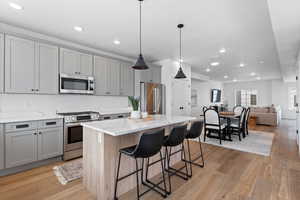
point(180, 73)
point(140, 63)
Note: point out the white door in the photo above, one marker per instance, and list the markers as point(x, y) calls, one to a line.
point(298, 110)
point(20, 148)
point(1, 63)
point(1, 147)
point(19, 65)
point(50, 143)
point(47, 69)
point(86, 64)
point(180, 97)
point(69, 62)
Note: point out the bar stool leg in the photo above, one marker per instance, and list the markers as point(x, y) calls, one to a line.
point(163, 173)
point(186, 168)
point(117, 178)
point(190, 159)
point(200, 145)
point(167, 166)
point(137, 179)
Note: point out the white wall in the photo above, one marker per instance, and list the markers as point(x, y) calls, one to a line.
point(280, 97)
point(62, 103)
point(203, 93)
point(264, 96)
point(169, 69)
point(269, 92)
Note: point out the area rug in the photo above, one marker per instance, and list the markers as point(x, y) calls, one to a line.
point(69, 171)
point(256, 142)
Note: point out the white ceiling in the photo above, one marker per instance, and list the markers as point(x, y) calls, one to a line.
point(285, 17)
point(242, 27)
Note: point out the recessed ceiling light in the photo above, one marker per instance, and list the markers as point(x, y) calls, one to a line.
point(117, 42)
point(253, 74)
point(258, 78)
point(214, 63)
point(222, 50)
point(225, 76)
point(261, 62)
point(234, 80)
point(16, 6)
point(242, 65)
point(207, 70)
point(78, 28)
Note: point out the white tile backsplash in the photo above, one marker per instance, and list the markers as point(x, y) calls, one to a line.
point(61, 103)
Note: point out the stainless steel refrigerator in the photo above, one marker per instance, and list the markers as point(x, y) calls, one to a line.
point(152, 98)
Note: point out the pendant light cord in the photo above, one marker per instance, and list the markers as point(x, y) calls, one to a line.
point(140, 27)
point(180, 47)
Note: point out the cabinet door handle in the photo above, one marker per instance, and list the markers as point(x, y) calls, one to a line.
point(22, 126)
point(40, 133)
point(34, 133)
point(32, 90)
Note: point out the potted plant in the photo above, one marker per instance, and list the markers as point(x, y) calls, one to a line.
point(134, 101)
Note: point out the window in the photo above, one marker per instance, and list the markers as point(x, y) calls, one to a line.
point(246, 98)
point(292, 98)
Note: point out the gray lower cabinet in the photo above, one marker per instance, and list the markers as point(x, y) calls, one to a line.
point(27, 142)
point(1, 147)
point(20, 148)
point(1, 63)
point(30, 67)
point(50, 143)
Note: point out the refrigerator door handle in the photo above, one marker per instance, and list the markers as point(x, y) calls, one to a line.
point(154, 99)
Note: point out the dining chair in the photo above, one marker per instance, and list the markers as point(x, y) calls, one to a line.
point(238, 110)
point(212, 123)
point(247, 117)
point(237, 127)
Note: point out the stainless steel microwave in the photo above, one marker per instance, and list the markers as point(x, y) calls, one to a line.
point(72, 84)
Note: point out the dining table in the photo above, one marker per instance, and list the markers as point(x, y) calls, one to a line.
point(229, 117)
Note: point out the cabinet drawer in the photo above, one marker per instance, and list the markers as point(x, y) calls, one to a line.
point(50, 123)
point(20, 126)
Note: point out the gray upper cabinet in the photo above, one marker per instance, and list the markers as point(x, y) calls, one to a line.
point(1, 63)
point(86, 65)
point(47, 70)
point(156, 74)
point(126, 79)
point(20, 148)
point(107, 76)
point(19, 65)
point(1, 147)
point(30, 67)
point(50, 143)
point(153, 74)
point(75, 63)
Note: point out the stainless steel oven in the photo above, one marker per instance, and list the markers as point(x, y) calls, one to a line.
point(73, 132)
point(72, 84)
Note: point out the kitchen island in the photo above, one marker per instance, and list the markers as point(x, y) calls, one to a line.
point(101, 143)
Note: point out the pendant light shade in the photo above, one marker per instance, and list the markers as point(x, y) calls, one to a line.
point(180, 74)
point(140, 63)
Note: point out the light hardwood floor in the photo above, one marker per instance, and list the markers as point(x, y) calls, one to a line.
point(228, 175)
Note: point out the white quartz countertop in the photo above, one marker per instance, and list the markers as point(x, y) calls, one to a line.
point(123, 126)
point(10, 117)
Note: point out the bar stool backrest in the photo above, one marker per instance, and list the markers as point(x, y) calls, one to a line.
point(238, 110)
point(196, 129)
point(242, 117)
point(149, 144)
point(176, 136)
